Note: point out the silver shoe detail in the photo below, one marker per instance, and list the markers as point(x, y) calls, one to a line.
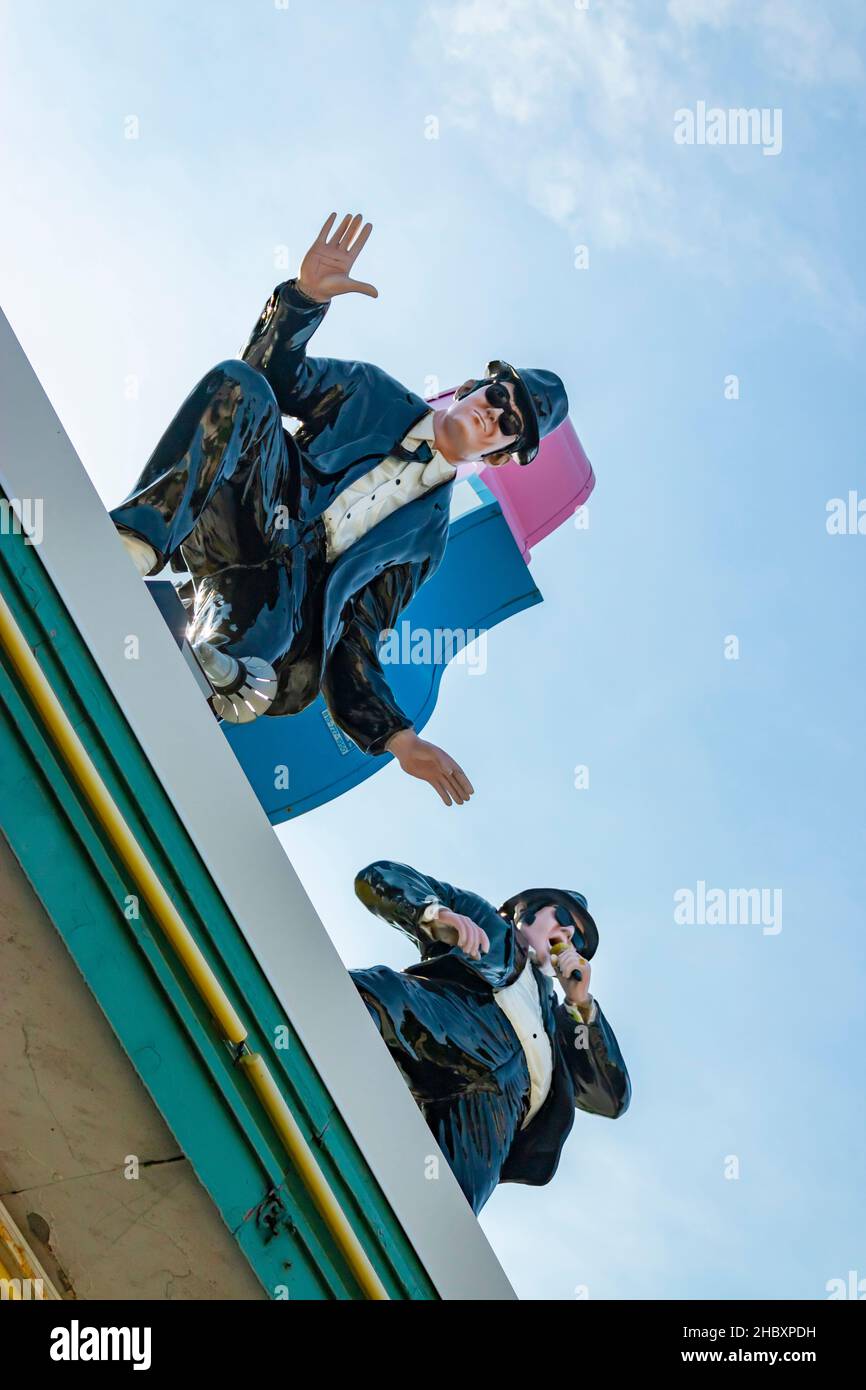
point(219, 667)
point(252, 699)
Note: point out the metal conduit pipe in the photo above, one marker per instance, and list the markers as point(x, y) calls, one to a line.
point(98, 797)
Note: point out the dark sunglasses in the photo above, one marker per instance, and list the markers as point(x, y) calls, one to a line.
point(564, 918)
point(498, 396)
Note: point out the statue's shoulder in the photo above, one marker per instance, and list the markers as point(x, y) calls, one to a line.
point(383, 383)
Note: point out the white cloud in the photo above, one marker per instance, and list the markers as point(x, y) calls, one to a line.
point(584, 102)
point(797, 40)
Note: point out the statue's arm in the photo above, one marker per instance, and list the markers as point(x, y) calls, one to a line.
point(277, 347)
point(405, 898)
point(410, 901)
point(601, 1081)
point(355, 687)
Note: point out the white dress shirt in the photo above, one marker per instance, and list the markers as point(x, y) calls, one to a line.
point(521, 1005)
point(391, 484)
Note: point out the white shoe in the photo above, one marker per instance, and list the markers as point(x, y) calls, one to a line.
point(143, 556)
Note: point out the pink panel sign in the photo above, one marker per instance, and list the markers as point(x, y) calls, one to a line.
point(537, 499)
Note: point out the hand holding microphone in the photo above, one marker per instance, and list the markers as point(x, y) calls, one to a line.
point(573, 971)
point(556, 950)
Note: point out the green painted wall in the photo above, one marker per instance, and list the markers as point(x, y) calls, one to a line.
point(156, 1014)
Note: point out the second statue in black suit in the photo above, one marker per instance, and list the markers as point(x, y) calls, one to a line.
point(497, 1064)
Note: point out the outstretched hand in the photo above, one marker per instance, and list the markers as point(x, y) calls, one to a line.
point(430, 764)
point(325, 268)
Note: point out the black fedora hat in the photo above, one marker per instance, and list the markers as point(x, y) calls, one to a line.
point(540, 398)
point(536, 898)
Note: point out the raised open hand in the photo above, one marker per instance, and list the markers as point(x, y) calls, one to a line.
point(325, 268)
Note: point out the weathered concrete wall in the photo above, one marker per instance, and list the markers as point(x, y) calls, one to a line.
point(72, 1112)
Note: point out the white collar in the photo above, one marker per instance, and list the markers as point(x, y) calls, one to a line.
point(423, 429)
point(438, 470)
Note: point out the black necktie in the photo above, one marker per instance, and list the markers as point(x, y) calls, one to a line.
point(423, 454)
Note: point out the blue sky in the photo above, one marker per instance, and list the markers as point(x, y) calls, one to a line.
point(129, 266)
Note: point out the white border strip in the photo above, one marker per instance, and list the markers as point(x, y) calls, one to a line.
point(234, 838)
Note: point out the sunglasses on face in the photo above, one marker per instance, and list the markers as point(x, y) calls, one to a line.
point(498, 396)
point(564, 918)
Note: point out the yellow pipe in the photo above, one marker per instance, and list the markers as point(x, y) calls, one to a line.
point(99, 798)
point(13, 1246)
point(301, 1155)
point(11, 1291)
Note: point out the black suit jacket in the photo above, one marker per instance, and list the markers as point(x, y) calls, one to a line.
point(588, 1068)
point(351, 416)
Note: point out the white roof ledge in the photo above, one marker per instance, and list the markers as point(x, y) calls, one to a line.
point(199, 772)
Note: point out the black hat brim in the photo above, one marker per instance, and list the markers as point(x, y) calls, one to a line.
point(558, 896)
point(531, 437)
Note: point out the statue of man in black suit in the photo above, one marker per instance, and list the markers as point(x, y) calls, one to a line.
point(304, 547)
point(496, 1063)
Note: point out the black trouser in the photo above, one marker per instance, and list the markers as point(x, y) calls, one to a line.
point(464, 1065)
point(222, 488)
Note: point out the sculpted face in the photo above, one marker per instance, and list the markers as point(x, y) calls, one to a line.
point(543, 932)
point(469, 428)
